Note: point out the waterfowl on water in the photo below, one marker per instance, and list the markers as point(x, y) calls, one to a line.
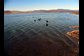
point(39, 19)
point(34, 20)
point(46, 20)
point(46, 24)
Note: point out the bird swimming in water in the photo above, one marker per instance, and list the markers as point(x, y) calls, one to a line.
point(39, 19)
point(34, 20)
point(46, 24)
point(46, 20)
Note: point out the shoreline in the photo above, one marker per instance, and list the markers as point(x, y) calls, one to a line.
point(42, 12)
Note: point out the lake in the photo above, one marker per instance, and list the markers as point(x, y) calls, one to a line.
point(39, 34)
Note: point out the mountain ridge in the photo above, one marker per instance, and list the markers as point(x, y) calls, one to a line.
point(44, 11)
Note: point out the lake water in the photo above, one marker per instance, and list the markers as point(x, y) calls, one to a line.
point(26, 33)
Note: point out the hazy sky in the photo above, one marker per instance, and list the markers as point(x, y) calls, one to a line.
point(24, 5)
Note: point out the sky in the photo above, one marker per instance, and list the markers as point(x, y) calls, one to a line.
point(29, 5)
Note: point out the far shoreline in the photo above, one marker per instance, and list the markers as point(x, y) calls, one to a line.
point(43, 11)
point(77, 13)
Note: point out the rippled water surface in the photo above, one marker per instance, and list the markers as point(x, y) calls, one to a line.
point(24, 33)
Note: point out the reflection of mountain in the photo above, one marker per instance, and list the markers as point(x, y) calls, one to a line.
point(45, 11)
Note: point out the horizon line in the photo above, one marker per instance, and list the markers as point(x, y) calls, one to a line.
point(41, 9)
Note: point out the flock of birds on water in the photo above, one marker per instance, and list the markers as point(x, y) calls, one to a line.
point(40, 20)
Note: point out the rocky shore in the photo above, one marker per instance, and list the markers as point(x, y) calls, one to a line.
point(75, 33)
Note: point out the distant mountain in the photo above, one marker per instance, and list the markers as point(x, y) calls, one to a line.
point(44, 11)
point(7, 12)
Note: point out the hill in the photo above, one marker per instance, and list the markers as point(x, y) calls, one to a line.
point(43, 11)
